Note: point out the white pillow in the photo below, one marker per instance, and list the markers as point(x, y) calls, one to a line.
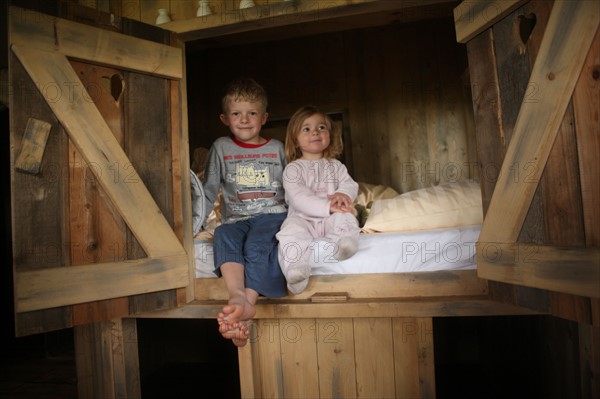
point(446, 205)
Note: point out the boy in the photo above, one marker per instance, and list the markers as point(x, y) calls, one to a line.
point(249, 170)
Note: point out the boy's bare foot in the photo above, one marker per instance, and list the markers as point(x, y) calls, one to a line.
point(235, 311)
point(233, 320)
point(238, 332)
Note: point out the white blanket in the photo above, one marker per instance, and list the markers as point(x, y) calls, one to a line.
point(415, 251)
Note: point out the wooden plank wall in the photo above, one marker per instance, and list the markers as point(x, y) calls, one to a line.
point(400, 88)
point(340, 358)
point(403, 88)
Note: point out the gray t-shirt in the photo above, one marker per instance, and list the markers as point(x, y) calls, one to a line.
point(250, 177)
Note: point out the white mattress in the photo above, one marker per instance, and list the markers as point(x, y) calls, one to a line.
point(415, 251)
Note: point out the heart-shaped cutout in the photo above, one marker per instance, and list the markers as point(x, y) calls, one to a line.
point(115, 85)
point(526, 25)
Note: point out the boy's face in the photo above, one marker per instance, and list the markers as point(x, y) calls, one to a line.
point(245, 120)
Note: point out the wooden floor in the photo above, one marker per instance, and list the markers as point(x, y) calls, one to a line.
point(41, 367)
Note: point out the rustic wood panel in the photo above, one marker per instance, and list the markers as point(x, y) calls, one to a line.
point(355, 69)
point(559, 190)
point(335, 348)
point(98, 233)
point(412, 307)
point(37, 228)
point(414, 364)
point(180, 158)
point(413, 115)
point(513, 70)
point(586, 101)
point(82, 118)
point(473, 17)
point(555, 73)
point(388, 285)
point(299, 360)
point(107, 359)
point(33, 145)
point(487, 112)
point(562, 269)
point(247, 372)
point(374, 366)
point(92, 235)
point(333, 358)
point(268, 358)
point(77, 40)
point(589, 360)
point(145, 103)
point(559, 184)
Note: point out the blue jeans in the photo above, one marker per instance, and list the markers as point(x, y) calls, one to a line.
point(253, 244)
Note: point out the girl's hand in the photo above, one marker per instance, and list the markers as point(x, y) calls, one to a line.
point(340, 203)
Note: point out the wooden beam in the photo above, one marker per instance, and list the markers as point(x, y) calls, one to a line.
point(444, 306)
point(561, 56)
point(65, 94)
point(283, 13)
point(444, 283)
point(472, 17)
point(61, 286)
point(570, 270)
point(72, 39)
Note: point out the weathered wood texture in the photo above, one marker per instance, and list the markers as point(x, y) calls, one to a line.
point(105, 161)
point(332, 358)
point(107, 359)
point(473, 17)
point(555, 214)
point(412, 115)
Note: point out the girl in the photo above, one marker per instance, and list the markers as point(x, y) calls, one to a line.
point(319, 193)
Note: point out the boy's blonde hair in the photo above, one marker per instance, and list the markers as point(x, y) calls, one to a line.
point(292, 151)
point(244, 90)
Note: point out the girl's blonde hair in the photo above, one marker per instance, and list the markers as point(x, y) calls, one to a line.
point(292, 150)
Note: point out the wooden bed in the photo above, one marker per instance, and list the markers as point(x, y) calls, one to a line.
point(345, 336)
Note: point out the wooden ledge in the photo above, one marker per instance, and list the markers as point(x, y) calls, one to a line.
point(354, 308)
point(370, 286)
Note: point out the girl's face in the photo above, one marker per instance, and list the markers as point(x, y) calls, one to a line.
point(245, 120)
point(314, 137)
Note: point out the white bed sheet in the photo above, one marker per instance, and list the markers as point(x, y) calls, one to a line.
point(415, 251)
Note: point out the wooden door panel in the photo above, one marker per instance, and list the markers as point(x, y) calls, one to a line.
point(566, 43)
point(92, 136)
point(102, 205)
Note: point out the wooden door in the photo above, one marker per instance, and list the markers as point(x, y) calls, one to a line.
point(567, 260)
point(101, 224)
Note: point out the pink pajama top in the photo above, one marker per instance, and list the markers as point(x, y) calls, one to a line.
point(308, 183)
